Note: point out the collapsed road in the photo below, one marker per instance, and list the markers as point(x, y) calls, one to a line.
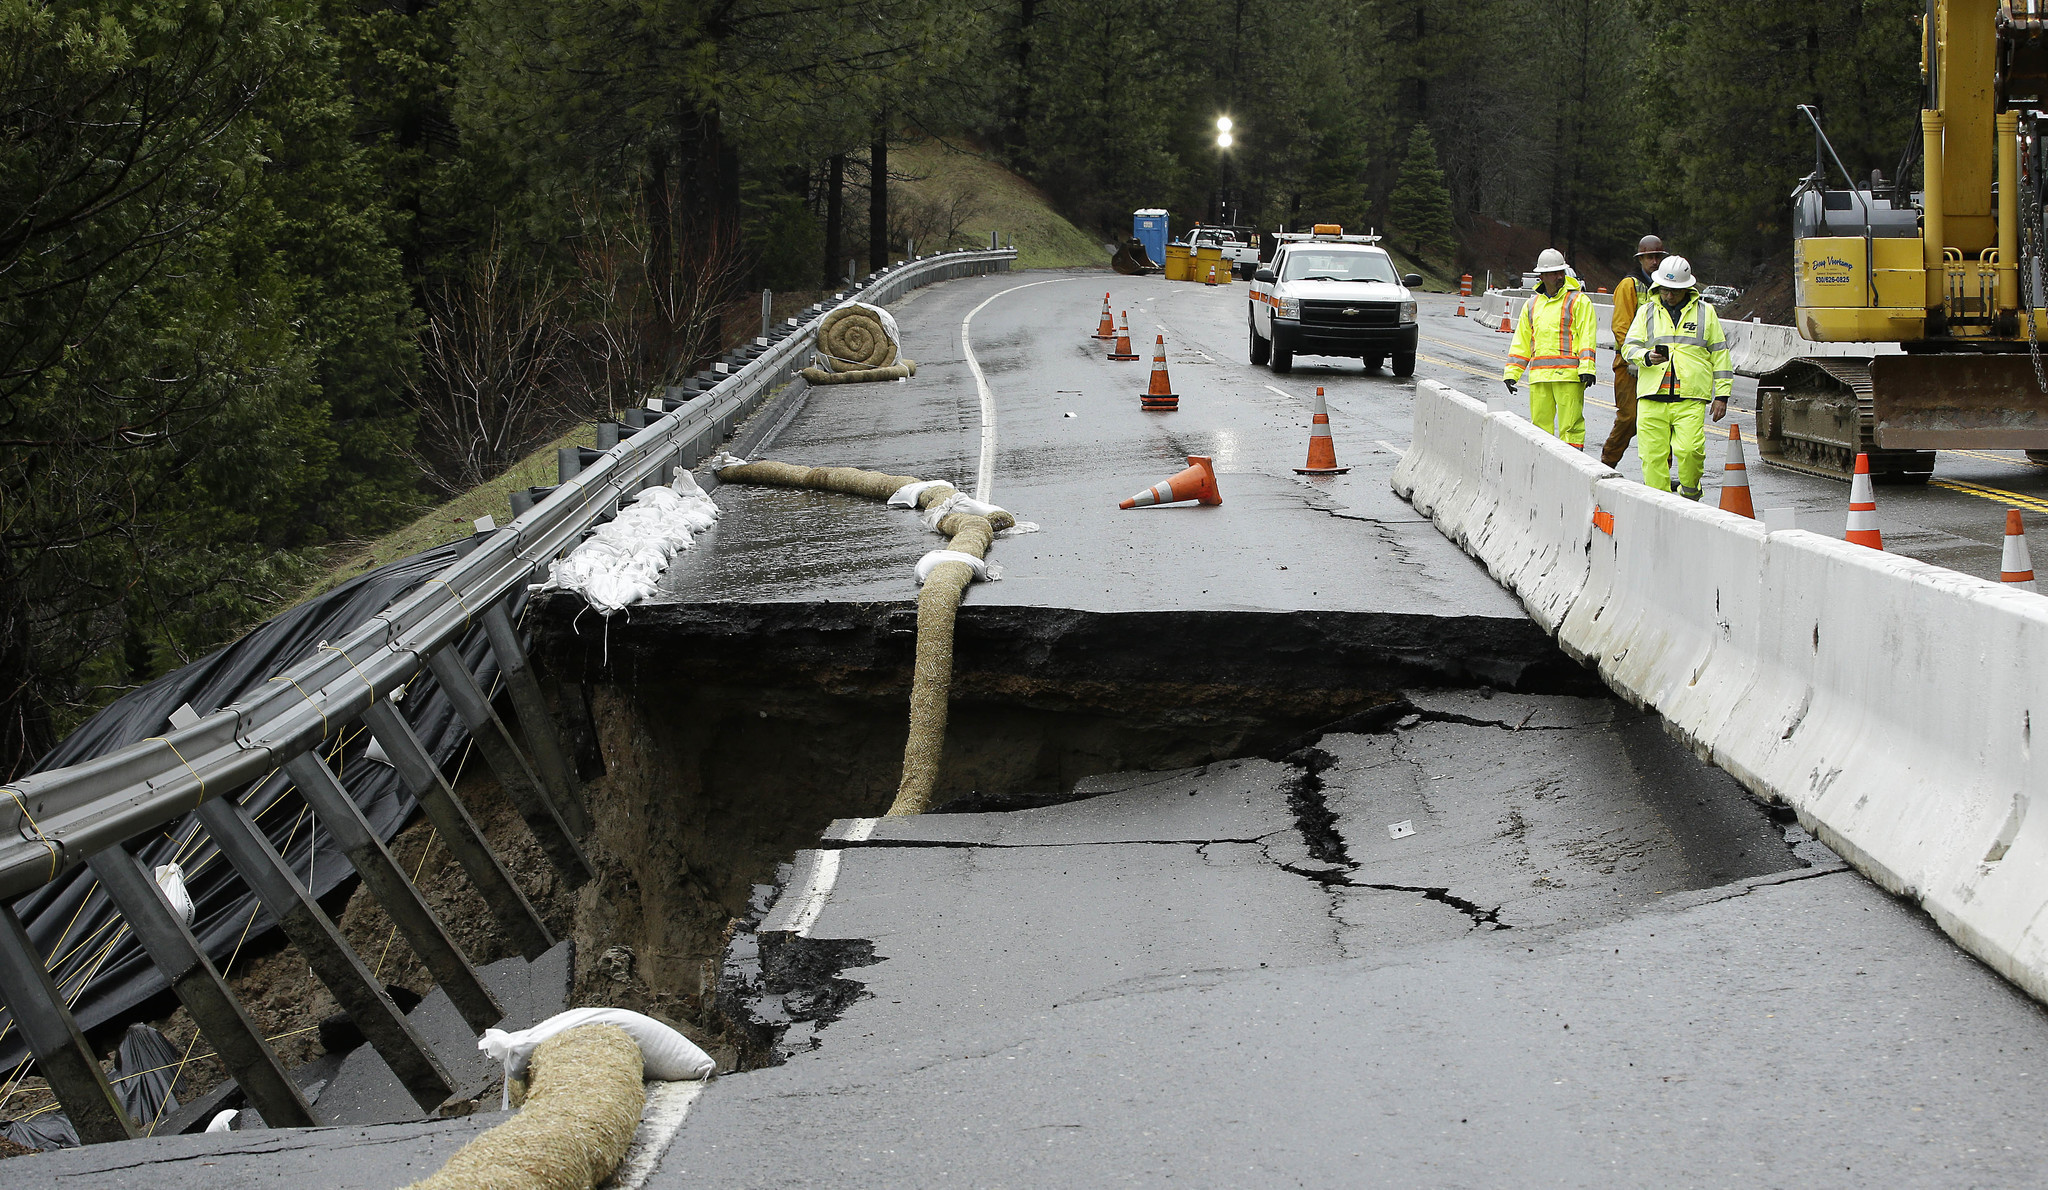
point(1282, 845)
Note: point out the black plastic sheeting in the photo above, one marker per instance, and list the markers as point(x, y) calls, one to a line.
point(71, 921)
point(143, 1069)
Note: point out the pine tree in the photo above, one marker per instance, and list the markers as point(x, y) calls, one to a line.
point(1419, 210)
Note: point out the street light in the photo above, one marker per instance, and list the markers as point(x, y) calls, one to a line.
point(1224, 140)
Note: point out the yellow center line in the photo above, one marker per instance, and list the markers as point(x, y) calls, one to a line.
point(1995, 495)
point(1994, 458)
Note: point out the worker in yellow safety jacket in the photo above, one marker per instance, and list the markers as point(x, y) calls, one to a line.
point(1553, 347)
point(1682, 366)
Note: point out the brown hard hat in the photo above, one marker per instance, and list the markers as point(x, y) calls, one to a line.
point(1649, 244)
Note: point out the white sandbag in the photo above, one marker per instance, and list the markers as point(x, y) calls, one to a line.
point(906, 496)
point(171, 879)
point(982, 569)
point(961, 503)
point(665, 1054)
point(621, 563)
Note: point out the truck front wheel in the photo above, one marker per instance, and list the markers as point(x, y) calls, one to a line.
point(1283, 355)
point(1404, 363)
point(1262, 350)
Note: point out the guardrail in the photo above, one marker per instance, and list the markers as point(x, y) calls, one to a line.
point(63, 816)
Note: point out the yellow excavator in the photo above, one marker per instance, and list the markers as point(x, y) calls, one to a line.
point(1940, 273)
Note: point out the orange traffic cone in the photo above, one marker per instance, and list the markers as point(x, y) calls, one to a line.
point(1507, 322)
point(2017, 566)
point(1160, 395)
point(1863, 507)
point(1735, 478)
point(1106, 329)
point(1212, 274)
point(1461, 305)
point(1198, 483)
point(1122, 350)
point(1322, 449)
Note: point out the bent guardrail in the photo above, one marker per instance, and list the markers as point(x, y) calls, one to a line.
point(63, 816)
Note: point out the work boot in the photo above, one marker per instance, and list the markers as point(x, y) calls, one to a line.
point(1689, 493)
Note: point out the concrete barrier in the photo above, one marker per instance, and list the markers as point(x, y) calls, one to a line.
point(1888, 702)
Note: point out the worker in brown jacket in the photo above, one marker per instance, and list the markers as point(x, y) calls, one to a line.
point(1631, 292)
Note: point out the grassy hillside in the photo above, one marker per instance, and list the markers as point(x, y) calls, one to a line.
point(948, 195)
point(453, 520)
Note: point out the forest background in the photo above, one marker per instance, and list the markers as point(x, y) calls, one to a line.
point(277, 274)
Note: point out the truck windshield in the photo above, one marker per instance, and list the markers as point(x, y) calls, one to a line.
point(1337, 266)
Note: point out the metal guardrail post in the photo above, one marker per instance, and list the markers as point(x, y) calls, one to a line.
point(550, 751)
point(388, 883)
point(338, 967)
point(515, 914)
point(550, 826)
point(236, 1040)
point(62, 1056)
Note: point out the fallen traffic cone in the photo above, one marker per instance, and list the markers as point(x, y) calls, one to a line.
point(1507, 323)
point(1160, 395)
point(1322, 449)
point(1198, 483)
point(1122, 350)
point(2017, 566)
point(1735, 478)
point(1106, 329)
point(1863, 507)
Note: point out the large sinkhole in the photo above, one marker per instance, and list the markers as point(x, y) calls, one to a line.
point(731, 735)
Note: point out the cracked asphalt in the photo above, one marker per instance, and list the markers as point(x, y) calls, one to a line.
point(1588, 961)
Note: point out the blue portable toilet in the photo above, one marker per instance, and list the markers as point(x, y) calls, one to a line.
point(1149, 226)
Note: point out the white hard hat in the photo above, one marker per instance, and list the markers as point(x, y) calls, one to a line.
point(1551, 261)
point(1674, 273)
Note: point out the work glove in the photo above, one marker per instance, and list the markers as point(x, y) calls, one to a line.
point(1511, 386)
point(1588, 379)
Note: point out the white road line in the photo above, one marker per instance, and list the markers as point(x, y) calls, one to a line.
point(667, 1104)
point(1390, 446)
point(985, 474)
point(812, 902)
point(860, 830)
point(1283, 392)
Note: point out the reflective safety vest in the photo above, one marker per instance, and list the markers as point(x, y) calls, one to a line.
point(1555, 337)
point(1700, 367)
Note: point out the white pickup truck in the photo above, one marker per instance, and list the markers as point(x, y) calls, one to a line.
point(1240, 246)
point(1327, 293)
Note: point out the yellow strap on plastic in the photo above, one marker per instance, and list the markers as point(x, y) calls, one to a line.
point(48, 846)
point(309, 701)
point(455, 595)
point(359, 670)
point(188, 766)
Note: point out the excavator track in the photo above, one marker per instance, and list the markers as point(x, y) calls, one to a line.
point(1814, 416)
